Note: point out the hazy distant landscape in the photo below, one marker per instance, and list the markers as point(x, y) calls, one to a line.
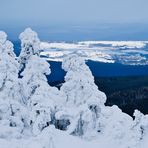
point(74, 74)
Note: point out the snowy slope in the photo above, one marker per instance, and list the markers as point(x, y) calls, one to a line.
point(60, 139)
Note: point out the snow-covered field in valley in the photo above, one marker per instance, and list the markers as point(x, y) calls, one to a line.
point(124, 52)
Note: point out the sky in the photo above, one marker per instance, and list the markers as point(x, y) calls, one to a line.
point(39, 13)
point(78, 11)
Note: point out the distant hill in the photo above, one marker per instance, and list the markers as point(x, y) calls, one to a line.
point(129, 93)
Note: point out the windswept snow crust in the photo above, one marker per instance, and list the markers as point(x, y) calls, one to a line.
point(35, 115)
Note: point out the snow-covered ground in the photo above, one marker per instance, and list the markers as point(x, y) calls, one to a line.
point(53, 138)
point(58, 139)
point(125, 52)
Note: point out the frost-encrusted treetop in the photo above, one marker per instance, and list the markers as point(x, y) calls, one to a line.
point(30, 45)
point(8, 60)
point(74, 62)
point(79, 86)
point(5, 45)
point(7, 56)
point(30, 37)
point(8, 69)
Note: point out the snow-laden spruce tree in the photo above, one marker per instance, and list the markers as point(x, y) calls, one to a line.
point(79, 85)
point(30, 45)
point(41, 99)
point(34, 74)
point(12, 113)
point(83, 99)
point(36, 90)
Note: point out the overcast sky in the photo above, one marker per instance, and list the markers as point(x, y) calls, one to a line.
point(43, 12)
point(76, 19)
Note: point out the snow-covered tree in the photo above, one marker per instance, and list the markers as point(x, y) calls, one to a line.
point(30, 45)
point(82, 95)
point(34, 75)
point(41, 99)
point(12, 113)
point(36, 91)
point(9, 68)
point(79, 85)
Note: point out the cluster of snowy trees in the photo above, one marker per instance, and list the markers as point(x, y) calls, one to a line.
point(29, 105)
